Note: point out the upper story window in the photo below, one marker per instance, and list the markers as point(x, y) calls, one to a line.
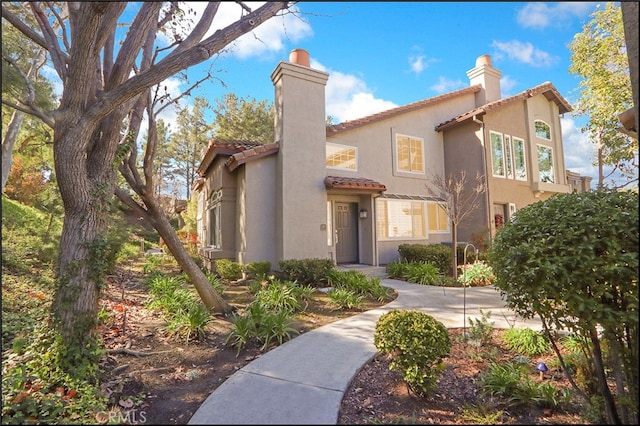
point(519, 159)
point(497, 154)
point(410, 154)
point(342, 157)
point(543, 130)
point(508, 156)
point(545, 164)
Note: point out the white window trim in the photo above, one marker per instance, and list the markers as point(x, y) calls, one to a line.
point(524, 159)
point(553, 163)
point(504, 173)
point(536, 133)
point(424, 160)
point(425, 217)
point(355, 148)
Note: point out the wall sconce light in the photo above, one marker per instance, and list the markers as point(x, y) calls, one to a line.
point(364, 213)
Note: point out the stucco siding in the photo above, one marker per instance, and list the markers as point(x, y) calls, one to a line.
point(259, 225)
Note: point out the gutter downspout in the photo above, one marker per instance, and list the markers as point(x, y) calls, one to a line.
point(486, 176)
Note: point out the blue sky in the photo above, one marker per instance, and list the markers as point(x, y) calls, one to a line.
point(380, 55)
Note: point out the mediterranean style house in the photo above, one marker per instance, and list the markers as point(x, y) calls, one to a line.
point(353, 192)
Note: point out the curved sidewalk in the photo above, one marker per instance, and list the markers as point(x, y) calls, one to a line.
point(303, 380)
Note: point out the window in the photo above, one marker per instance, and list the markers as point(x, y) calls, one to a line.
point(545, 164)
point(342, 157)
point(512, 211)
point(438, 217)
point(406, 219)
point(508, 158)
point(543, 130)
point(214, 235)
point(519, 159)
point(410, 154)
point(497, 154)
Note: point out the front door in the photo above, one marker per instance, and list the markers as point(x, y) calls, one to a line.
point(346, 217)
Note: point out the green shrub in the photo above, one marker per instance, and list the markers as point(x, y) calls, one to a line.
point(416, 343)
point(258, 269)
point(440, 255)
point(279, 296)
point(476, 274)
point(358, 283)
point(572, 260)
point(262, 324)
point(151, 263)
point(307, 271)
point(345, 299)
point(418, 272)
point(526, 341)
point(481, 329)
point(189, 323)
point(228, 269)
point(511, 383)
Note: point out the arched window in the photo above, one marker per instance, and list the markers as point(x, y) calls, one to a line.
point(543, 130)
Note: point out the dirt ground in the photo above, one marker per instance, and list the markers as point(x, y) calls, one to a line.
point(155, 379)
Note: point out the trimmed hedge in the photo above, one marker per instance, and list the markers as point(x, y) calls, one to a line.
point(312, 272)
point(438, 255)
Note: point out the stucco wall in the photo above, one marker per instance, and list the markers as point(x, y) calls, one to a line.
point(256, 223)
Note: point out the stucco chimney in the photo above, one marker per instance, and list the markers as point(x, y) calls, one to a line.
point(488, 77)
point(300, 57)
point(300, 130)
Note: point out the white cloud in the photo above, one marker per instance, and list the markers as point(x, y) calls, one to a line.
point(541, 15)
point(506, 86)
point(523, 52)
point(419, 63)
point(268, 38)
point(579, 152)
point(445, 85)
point(348, 97)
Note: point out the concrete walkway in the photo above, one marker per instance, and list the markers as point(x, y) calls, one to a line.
point(303, 380)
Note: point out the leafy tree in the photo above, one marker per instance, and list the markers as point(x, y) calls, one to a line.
point(598, 56)
point(107, 79)
point(22, 84)
point(244, 119)
point(187, 142)
point(162, 160)
point(462, 198)
point(572, 260)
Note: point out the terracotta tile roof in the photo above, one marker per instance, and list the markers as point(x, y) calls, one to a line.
point(547, 89)
point(251, 154)
point(348, 125)
point(223, 147)
point(362, 184)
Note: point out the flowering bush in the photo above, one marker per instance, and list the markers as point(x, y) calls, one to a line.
point(475, 275)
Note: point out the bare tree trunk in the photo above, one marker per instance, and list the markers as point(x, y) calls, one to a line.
point(8, 142)
point(454, 244)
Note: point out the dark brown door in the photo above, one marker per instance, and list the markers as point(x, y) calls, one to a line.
point(346, 216)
